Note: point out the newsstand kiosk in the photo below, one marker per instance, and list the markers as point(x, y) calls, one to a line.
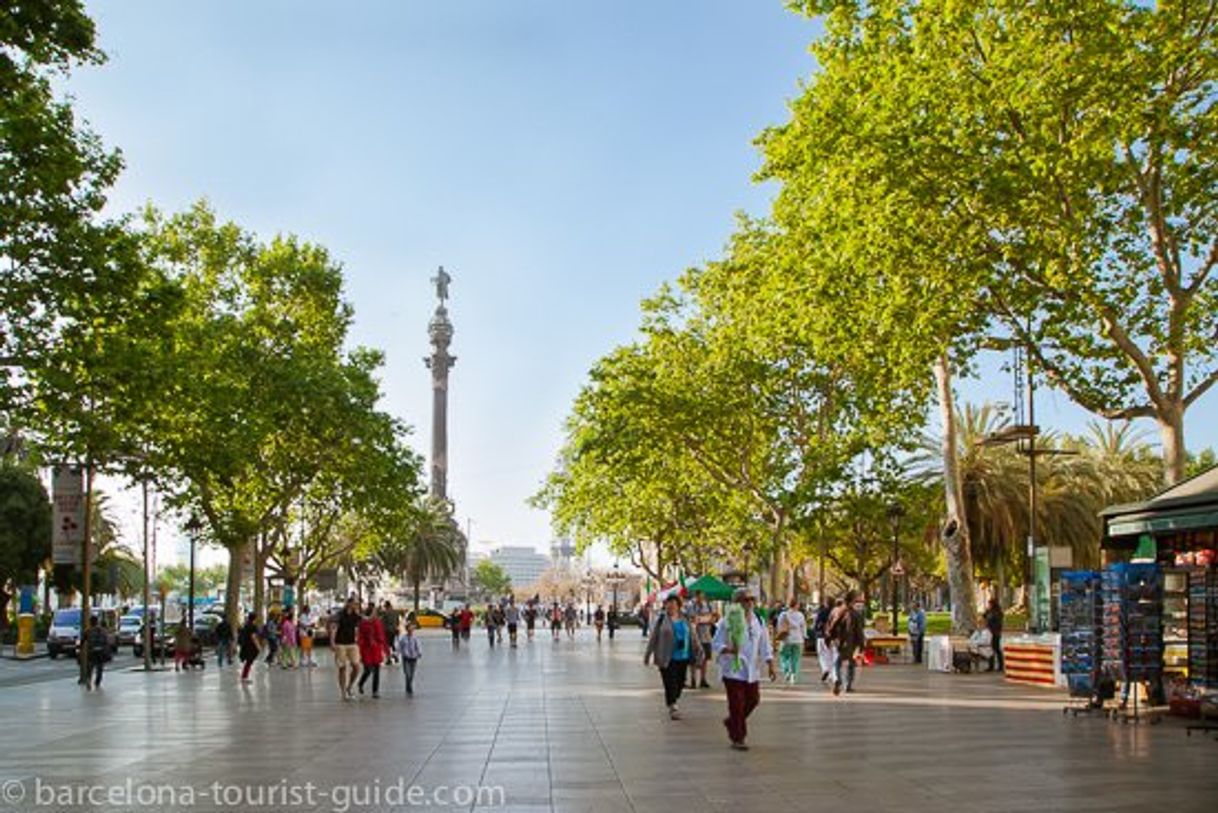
point(1159, 592)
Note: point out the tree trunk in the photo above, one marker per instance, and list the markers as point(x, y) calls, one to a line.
point(416, 596)
point(1000, 592)
point(955, 534)
point(1171, 436)
point(259, 581)
point(777, 582)
point(232, 589)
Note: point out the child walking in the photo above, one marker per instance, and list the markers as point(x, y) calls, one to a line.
point(410, 651)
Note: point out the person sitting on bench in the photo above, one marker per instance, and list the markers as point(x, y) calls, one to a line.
point(980, 647)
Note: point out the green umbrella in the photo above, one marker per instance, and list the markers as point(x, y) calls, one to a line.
point(712, 588)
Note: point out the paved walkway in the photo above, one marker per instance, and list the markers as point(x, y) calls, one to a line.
point(576, 726)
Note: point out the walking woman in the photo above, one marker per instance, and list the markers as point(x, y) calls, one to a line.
point(248, 645)
point(792, 629)
point(672, 648)
point(288, 635)
point(370, 638)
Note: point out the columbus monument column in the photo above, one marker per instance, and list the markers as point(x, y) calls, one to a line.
point(440, 362)
point(440, 329)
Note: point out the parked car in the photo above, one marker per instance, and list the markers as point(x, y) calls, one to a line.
point(626, 618)
point(162, 641)
point(129, 628)
point(63, 636)
point(425, 617)
point(205, 628)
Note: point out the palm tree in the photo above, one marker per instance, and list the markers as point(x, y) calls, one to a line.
point(1075, 479)
point(428, 546)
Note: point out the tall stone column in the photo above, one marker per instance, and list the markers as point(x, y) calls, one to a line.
point(440, 362)
point(440, 330)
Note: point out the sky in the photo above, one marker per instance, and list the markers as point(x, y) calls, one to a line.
point(559, 158)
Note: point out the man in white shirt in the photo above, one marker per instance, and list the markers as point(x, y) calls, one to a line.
point(741, 642)
point(792, 630)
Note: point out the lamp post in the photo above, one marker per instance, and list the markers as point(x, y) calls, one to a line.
point(146, 629)
point(588, 582)
point(192, 530)
point(615, 577)
point(895, 512)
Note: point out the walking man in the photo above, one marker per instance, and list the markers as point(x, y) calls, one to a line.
point(248, 645)
point(917, 630)
point(389, 626)
point(572, 617)
point(98, 644)
point(511, 615)
point(845, 628)
point(343, 632)
point(530, 616)
point(740, 643)
point(224, 642)
point(993, 622)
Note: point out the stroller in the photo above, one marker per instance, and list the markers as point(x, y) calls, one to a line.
point(195, 656)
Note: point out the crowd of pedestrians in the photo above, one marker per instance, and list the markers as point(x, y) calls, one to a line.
point(687, 637)
point(684, 640)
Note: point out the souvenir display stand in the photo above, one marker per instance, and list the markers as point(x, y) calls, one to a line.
point(1081, 619)
point(1133, 635)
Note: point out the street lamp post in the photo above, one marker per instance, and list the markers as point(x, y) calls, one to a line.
point(895, 512)
point(615, 577)
point(192, 529)
point(146, 630)
point(588, 582)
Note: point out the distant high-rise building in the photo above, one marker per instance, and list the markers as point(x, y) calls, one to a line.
point(523, 565)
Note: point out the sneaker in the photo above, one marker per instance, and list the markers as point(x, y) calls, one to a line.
point(739, 746)
point(674, 713)
point(837, 688)
point(704, 685)
point(376, 696)
point(824, 676)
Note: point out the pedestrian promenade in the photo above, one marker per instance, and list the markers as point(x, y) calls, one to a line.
point(577, 726)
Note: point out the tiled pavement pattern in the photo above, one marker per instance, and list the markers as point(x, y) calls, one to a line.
point(577, 726)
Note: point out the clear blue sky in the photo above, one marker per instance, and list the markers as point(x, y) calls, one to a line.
point(559, 158)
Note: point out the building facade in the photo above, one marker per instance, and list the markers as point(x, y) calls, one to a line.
point(523, 565)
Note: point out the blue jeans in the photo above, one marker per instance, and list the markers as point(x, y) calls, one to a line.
point(224, 652)
point(846, 658)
